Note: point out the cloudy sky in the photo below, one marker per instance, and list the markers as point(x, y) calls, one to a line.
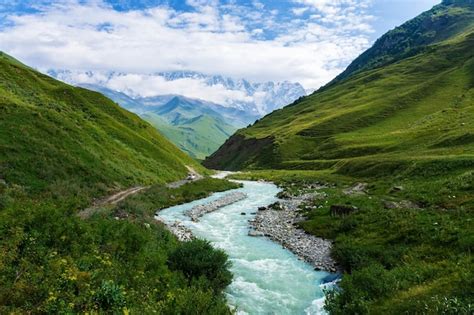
point(306, 41)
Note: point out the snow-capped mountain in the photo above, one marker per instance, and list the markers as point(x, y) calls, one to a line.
point(255, 98)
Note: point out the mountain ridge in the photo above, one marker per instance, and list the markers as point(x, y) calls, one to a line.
point(381, 113)
point(255, 98)
point(426, 29)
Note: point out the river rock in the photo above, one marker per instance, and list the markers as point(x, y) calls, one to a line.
point(198, 211)
point(255, 233)
point(281, 226)
point(276, 206)
point(181, 232)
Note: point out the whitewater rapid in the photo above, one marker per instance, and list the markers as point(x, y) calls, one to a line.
point(268, 279)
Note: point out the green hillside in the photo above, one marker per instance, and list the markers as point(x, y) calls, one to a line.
point(61, 147)
point(52, 132)
point(413, 112)
point(193, 128)
point(399, 122)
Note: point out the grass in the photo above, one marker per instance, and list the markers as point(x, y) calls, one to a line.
point(61, 147)
point(396, 261)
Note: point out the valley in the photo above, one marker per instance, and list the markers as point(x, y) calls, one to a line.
point(140, 189)
point(196, 126)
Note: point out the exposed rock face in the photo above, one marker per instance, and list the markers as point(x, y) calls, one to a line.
point(279, 225)
point(198, 211)
point(238, 152)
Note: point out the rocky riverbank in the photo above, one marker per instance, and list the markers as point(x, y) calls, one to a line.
point(198, 211)
point(278, 223)
point(181, 232)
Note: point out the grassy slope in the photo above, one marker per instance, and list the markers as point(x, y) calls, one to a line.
point(52, 132)
point(199, 132)
point(413, 111)
point(59, 148)
point(199, 136)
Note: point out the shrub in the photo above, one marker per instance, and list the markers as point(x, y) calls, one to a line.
point(199, 259)
point(110, 296)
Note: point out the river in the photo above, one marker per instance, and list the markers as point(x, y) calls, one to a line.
point(268, 279)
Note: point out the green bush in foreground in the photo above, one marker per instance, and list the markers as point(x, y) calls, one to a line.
point(198, 259)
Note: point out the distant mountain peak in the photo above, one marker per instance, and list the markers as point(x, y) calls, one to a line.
point(255, 98)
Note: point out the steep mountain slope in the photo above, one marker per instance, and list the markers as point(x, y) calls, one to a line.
point(197, 127)
point(411, 38)
point(407, 103)
point(52, 133)
point(191, 126)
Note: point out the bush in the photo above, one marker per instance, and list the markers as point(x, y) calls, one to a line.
point(109, 296)
point(198, 259)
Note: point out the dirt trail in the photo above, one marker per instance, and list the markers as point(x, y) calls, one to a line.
point(111, 200)
point(116, 198)
point(192, 177)
point(121, 195)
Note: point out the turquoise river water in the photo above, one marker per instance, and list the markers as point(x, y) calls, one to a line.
point(268, 279)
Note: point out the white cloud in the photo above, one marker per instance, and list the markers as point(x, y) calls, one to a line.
point(213, 39)
point(148, 85)
point(299, 11)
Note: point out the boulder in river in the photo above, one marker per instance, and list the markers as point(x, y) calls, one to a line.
point(255, 233)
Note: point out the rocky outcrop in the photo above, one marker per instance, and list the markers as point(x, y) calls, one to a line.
point(402, 204)
point(198, 211)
